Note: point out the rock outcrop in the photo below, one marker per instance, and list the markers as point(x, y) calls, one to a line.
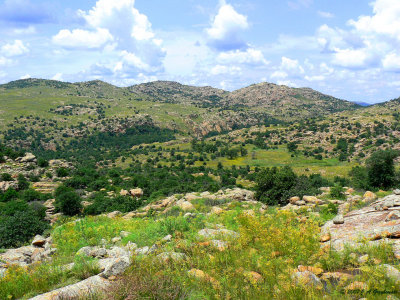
point(375, 223)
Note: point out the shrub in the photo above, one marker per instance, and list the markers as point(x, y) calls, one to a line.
point(19, 223)
point(337, 192)
point(62, 172)
point(31, 195)
point(23, 183)
point(43, 163)
point(381, 170)
point(102, 204)
point(69, 203)
point(6, 177)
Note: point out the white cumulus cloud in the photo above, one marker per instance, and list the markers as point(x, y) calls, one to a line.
point(250, 57)
point(83, 39)
point(226, 28)
point(14, 49)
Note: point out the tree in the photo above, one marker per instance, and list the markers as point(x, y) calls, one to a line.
point(292, 146)
point(381, 170)
point(272, 183)
point(69, 203)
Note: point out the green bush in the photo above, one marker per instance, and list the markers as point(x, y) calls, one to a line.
point(6, 177)
point(23, 183)
point(62, 172)
point(381, 170)
point(20, 222)
point(337, 192)
point(102, 203)
point(69, 203)
point(43, 163)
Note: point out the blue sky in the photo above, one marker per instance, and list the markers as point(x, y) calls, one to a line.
point(346, 48)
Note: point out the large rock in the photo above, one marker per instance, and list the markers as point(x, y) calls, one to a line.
point(116, 266)
point(214, 233)
point(375, 222)
point(38, 241)
point(306, 278)
point(185, 205)
point(136, 192)
point(29, 157)
point(82, 289)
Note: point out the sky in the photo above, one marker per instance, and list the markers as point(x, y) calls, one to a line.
point(346, 48)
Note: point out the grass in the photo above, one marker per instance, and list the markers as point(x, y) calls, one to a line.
point(259, 264)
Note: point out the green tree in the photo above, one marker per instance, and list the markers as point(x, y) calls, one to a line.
point(381, 170)
point(69, 203)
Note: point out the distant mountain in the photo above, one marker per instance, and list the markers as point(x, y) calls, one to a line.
point(363, 104)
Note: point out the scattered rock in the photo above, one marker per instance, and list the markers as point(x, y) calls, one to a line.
point(293, 200)
point(213, 233)
point(306, 278)
point(142, 251)
point(363, 259)
point(116, 239)
point(116, 267)
point(171, 256)
point(136, 192)
point(185, 205)
point(124, 234)
point(78, 290)
point(220, 245)
point(167, 238)
point(314, 270)
point(338, 220)
point(124, 193)
point(38, 241)
point(253, 277)
point(357, 286)
point(216, 210)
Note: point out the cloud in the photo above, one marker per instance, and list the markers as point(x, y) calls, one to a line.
point(250, 56)
point(27, 30)
point(226, 28)
point(391, 62)
point(291, 65)
point(25, 12)
point(325, 14)
point(81, 39)
point(371, 41)
point(123, 33)
point(15, 49)
point(5, 61)
point(230, 70)
point(26, 76)
point(58, 77)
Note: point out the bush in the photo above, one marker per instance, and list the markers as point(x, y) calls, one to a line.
point(102, 204)
point(19, 223)
point(69, 203)
point(272, 183)
point(6, 177)
point(23, 183)
point(337, 192)
point(275, 186)
point(62, 172)
point(31, 195)
point(43, 163)
point(381, 170)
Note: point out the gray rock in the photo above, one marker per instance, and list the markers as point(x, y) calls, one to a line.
point(117, 252)
point(392, 273)
point(142, 251)
point(84, 288)
point(131, 246)
point(213, 233)
point(39, 241)
point(3, 272)
point(167, 238)
point(153, 248)
point(116, 266)
point(116, 239)
point(124, 234)
point(221, 245)
point(174, 256)
point(363, 259)
point(396, 192)
point(338, 220)
point(84, 251)
point(306, 278)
